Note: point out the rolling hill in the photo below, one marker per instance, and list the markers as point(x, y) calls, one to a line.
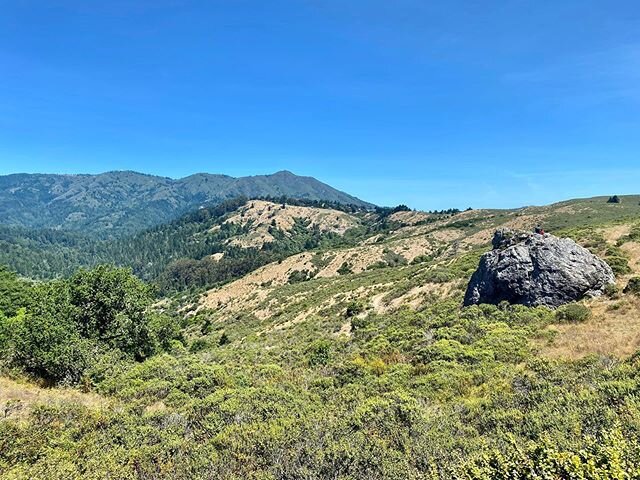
point(343, 352)
point(247, 232)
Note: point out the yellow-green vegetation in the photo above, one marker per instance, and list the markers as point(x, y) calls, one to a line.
point(573, 312)
point(441, 393)
point(377, 373)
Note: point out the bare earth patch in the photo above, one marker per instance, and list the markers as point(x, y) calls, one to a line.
point(612, 234)
point(526, 222)
point(447, 235)
point(361, 293)
point(409, 218)
point(417, 296)
point(632, 249)
point(250, 291)
point(414, 298)
point(345, 330)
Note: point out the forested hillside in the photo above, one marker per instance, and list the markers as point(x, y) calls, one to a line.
point(339, 351)
point(117, 203)
point(208, 245)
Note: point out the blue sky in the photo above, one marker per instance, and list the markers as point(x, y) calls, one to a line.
point(430, 103)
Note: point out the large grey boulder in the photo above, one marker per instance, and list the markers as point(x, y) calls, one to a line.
point(533, 269)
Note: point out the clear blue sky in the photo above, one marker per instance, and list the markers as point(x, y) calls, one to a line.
point(429, 103)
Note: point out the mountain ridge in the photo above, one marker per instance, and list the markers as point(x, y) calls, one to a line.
point(121, 202)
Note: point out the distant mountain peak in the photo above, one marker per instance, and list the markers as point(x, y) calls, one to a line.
point(125, 201)
point(286, 173)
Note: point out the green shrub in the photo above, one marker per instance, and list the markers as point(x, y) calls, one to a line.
point(393, 259)
point(633, 286)
point(8, 327)
point(298, 276)
point(634, 233)
point(611, 290)
point(439, 275)
point(377, 265)
point(206, 326)
point(345, 269)
point(573, 313)
point(619, 265)
point(67, 322)
point(319, 352)
point(14, 292)
point(164, 330)
point(353, 309)
point(633, 236)
point(108, 304)
point(421, 259)
point(51, 348)
point(319, 261)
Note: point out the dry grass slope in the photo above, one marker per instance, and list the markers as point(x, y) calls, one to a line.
point(266, 295)
point(18, 398)
point(614, 328)
point(261, 215)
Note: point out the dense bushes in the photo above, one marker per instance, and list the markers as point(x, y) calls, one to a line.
point(176, 254)
point(444, 393)
point(354, 308)
point(440, 393)
point(619, 264)
point(189, 273)
point(69, 325)
point(49, 347)
point(13, 292)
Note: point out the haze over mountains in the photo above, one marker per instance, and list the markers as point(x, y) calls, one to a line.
point(116, 203)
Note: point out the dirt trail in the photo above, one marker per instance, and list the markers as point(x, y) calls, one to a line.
point(613, 234)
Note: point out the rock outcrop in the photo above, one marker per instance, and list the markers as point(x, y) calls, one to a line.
point(533, 269)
